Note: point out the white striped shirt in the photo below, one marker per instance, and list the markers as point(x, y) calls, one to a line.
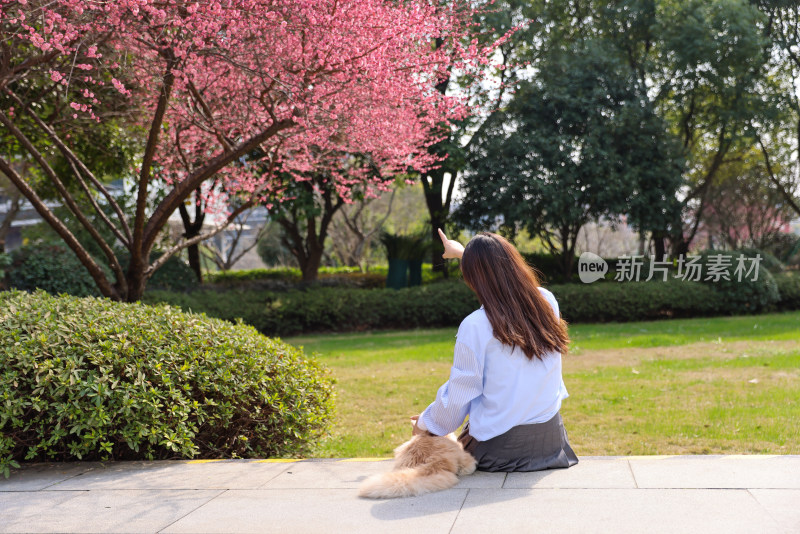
point(498, 387)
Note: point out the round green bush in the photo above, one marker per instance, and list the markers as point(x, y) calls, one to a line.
point(93, 379)
point(53, 268)
point(742, 293)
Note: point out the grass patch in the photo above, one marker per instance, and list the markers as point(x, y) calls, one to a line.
point(774, 326)
point(694, 386)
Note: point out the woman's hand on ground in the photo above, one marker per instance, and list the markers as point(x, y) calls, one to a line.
point(452, 248)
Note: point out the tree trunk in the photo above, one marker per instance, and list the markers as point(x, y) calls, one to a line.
point(659, 246)
point(432, 185)
point(11, 214)
point(193, 252)
point(136, 278)
point(439, 264)
point(309, 265)
point(192, 228)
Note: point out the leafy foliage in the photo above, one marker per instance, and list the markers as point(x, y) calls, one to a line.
point(789, 289)
point(174, 274)
point(53, 268)
point(636, 301)
point(340, 309)
point(91, 379)
point(578, 143)
point(331, 308)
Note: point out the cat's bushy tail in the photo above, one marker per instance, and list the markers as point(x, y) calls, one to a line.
point(407, 482)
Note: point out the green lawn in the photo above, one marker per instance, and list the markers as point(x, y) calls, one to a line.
point(725, 385)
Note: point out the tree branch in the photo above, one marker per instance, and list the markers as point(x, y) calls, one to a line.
point(84, 257)
point(774, 179)
point(139, 231)
point(184, 243)
point(74, 162)
point(193, 181)
point(62, 190)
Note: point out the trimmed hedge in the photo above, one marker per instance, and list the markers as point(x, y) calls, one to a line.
point(637, 301)
point(284, 278)
point(91, 379)
point(325, 309)
point(320, 309)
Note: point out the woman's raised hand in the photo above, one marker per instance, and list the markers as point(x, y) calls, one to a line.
point(452, 248)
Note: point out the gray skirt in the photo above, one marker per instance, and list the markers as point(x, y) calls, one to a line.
point(523, 448)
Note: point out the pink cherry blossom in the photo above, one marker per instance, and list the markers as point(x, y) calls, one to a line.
point(234, 89)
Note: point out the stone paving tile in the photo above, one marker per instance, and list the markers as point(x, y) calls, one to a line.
point(319, 495)
point(227, 474)
point(327, 475)
point(770, 472)
point(782, 505)
point(345, 474)
point(39, 476)
point(104, 511)
point(618, 511)
point(586, 474)
point(16, 507)
point(311, 511)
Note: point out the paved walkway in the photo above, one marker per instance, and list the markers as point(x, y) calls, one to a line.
point(648, 494)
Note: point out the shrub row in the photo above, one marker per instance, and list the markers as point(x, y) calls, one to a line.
point(56, 269)
point(320, 309)
point(87, 378)
point(282, 278)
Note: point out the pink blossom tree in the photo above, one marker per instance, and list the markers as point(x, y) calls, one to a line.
point(224, 91)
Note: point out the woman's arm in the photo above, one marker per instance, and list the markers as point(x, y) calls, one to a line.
point(453, 399)
point(452, 248)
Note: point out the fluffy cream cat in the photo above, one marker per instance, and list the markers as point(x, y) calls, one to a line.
point(422, 465)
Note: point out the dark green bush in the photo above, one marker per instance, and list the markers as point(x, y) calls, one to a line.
point(92, 379)
point(56, 269)
point(53, 268)
point(548, 266)
point(789, 289)
point(289, 274)
point(319, 309)
point(5, 263)
point(174, 275)
point(742, 293)
point(636, 301)
point(283, 278)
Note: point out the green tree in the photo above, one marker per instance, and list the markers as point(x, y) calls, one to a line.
point(577, 143)
point(304, 206)
point(701, 65)
point(779, 140)
point(522, 20)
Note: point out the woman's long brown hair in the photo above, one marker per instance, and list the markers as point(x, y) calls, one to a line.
point(508, 289)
